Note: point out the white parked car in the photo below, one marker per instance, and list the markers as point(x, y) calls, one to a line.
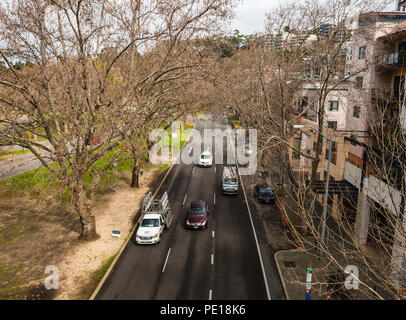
point(150, 229)
point(206, 159)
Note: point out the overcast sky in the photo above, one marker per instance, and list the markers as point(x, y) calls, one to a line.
point(250, 15)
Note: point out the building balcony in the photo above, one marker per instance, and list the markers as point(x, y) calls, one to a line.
point(391, 60)
point(386, 96)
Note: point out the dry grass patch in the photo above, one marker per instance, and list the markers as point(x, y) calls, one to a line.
point(39, 231)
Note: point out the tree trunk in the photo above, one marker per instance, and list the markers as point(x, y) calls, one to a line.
point(87, 219)
point(135, 175)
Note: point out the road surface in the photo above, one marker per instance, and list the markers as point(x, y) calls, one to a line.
point(219, 263)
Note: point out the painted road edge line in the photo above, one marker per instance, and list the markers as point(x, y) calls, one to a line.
point(103, 280)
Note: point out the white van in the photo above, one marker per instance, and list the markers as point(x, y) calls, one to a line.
point(229, 183)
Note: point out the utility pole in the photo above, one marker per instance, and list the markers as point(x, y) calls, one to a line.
point(323, 229)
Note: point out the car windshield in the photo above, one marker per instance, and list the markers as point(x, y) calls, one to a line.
point(150, 223)
point(205, 156)
point(230, 180)
point(265, 190)
point(197, 210)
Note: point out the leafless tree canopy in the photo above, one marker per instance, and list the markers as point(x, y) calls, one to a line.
point(84, 63)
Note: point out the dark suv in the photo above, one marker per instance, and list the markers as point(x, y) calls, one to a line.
point(264, 194)
point(197, 214)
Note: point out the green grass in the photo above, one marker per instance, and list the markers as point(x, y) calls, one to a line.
point(233, 118)
point(15, 152)
point(184, 134)
point(14, 232)
point(95, 279)
point(39, 179)
point(162, 168)
point(9, 289)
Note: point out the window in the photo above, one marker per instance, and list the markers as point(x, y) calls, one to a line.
point(358, 82)
point(332, 124)
point(356, 112)
point(333, 106)
point(333, 153)
point(362, 51)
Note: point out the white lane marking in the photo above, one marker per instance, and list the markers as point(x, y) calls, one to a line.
point(215, 168)
point(183, 203)
point(166, 260)
point(193, 171)
point(212, 259)
point(210, 294)
point(214, 198)
point(212, 234)
point(252, 225)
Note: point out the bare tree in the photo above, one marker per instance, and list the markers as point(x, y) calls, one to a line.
point(71, 92)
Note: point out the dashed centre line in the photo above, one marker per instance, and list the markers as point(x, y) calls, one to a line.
point(183, 203)
point(166, 260)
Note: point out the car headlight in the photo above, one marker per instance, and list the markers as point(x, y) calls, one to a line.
point(204, 222)
point(188, 223)
point(155, 235)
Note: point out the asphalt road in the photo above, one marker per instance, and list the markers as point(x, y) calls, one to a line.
point(219, 263)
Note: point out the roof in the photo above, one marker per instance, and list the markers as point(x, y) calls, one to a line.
point(152, 216)
point(393, 35)
point(381, 16)
point(229, 171)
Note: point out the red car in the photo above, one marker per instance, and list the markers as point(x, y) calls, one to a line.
point(196, 217)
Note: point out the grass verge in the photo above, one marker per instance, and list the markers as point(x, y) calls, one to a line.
point(94, 279)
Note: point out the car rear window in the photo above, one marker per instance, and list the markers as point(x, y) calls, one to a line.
point(197, 210)
point(230, 180)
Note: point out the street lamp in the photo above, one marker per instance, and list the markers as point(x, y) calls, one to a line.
point(323, 228)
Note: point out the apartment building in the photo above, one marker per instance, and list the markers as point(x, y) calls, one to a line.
point(371, 99)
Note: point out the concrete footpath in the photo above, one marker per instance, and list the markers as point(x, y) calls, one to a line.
point(327, 280)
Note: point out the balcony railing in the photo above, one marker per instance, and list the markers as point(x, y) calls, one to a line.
point(386, 95)
point(391, 60)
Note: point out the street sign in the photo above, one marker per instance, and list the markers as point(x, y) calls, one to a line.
point(308, 283)
point(115, 233)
